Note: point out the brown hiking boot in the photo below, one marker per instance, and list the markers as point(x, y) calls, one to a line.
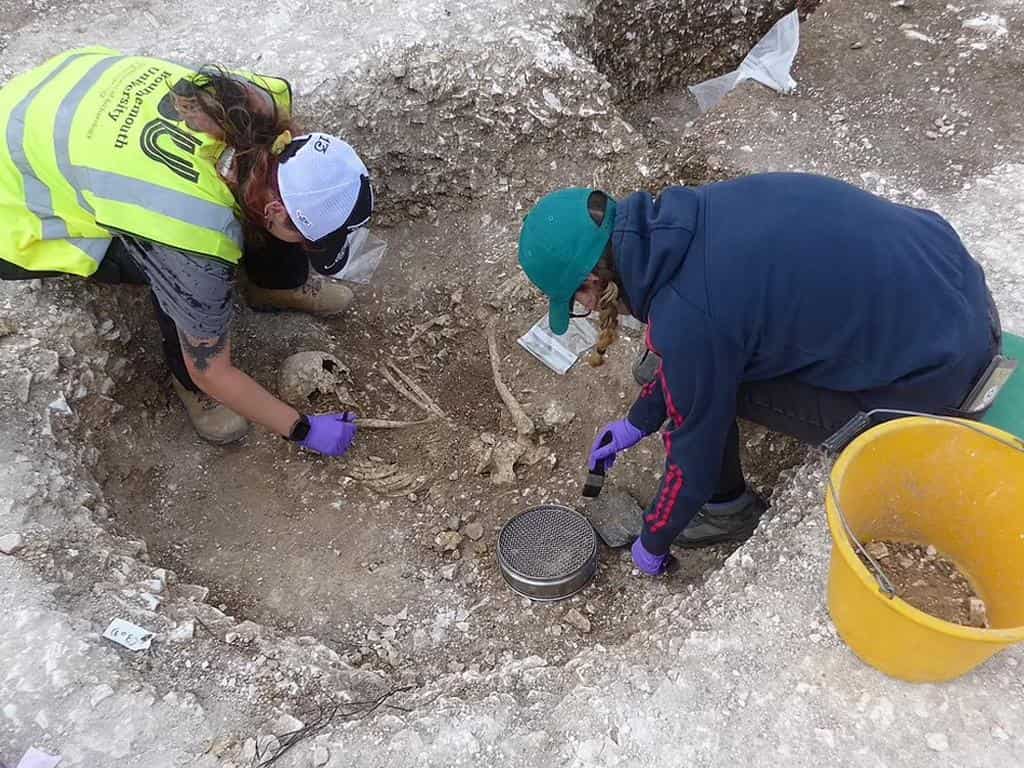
point(214, 422)
point(319, 296)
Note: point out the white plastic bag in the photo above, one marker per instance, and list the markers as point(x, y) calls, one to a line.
point(365, 253)
point(768, 62)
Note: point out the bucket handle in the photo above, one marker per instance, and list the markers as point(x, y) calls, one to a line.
point(845, 434)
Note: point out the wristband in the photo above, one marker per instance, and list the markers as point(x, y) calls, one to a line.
point(299, 431)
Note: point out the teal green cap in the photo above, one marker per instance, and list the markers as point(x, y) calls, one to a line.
point(560, 245)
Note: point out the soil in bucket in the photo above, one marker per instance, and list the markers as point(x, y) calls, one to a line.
point(928, 581)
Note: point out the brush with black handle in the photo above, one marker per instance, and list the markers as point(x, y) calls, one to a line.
point(595, 476)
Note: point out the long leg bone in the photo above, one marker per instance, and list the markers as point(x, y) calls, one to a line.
point(524, 424)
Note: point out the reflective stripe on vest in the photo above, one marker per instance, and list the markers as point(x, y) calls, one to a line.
point(39, 200)
point(117, 160)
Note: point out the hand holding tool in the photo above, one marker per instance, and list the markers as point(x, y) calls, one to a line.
point(331, 433)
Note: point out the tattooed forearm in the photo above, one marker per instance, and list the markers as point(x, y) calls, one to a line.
point(202, 351)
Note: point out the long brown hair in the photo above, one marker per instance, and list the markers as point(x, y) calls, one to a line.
point(607, 305)
point(226, 100)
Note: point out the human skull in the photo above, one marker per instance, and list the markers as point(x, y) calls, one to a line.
point(312, 379)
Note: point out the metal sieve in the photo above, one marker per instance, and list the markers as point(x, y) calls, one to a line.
point(548, 552)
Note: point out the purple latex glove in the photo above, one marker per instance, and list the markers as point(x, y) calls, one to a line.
point(331, 433)
point(650, 564)
point(612, 438)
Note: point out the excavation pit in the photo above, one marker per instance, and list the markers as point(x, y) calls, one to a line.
point(402, 526)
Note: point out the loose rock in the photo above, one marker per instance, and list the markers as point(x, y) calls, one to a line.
point(183, 632)
point(244, 632)
point(269, 745)
point(287, 724)
point(99, 693)
point(192, 592)
point(449, 572)
point(320, 756)
point(448, 541)
point(21, 385)
point(978, 615)
point(47, 364)
point(11, 543)
point(937, 741)
point(877, 549)
point(249, 751)
point(578, 620)
point(556, 415)
point(475, 531)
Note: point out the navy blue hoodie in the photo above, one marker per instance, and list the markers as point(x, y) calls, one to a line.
point(787, 275)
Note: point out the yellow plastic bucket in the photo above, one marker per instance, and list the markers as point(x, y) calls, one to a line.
point(931, 482)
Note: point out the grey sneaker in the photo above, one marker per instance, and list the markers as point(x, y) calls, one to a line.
point(719, 523)
point(646, 368)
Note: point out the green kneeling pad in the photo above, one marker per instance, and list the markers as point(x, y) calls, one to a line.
point(1007, 412)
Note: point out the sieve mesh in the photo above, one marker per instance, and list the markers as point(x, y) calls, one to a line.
point(547, 542)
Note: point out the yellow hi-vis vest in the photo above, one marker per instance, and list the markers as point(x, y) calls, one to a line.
point(90, 145)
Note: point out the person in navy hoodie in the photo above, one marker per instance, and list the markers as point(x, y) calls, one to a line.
point(792, 300)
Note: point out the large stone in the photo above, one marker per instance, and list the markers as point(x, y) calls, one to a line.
point(182, 633)
point(11, 543)
point(578, 620)
point(45, 364)
point(448, 541)
point(616, 516)
point(192, 592)
point(21, 383)
point(556, 414)
point(287, 724)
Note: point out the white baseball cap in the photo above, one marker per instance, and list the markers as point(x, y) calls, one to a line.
point(320, 183)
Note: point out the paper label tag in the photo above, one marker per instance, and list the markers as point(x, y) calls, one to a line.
point(129, 635)
point(559, 353)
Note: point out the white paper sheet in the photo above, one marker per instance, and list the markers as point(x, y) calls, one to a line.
point(559, 353)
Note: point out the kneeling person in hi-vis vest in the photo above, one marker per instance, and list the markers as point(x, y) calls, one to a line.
point(129, 169)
